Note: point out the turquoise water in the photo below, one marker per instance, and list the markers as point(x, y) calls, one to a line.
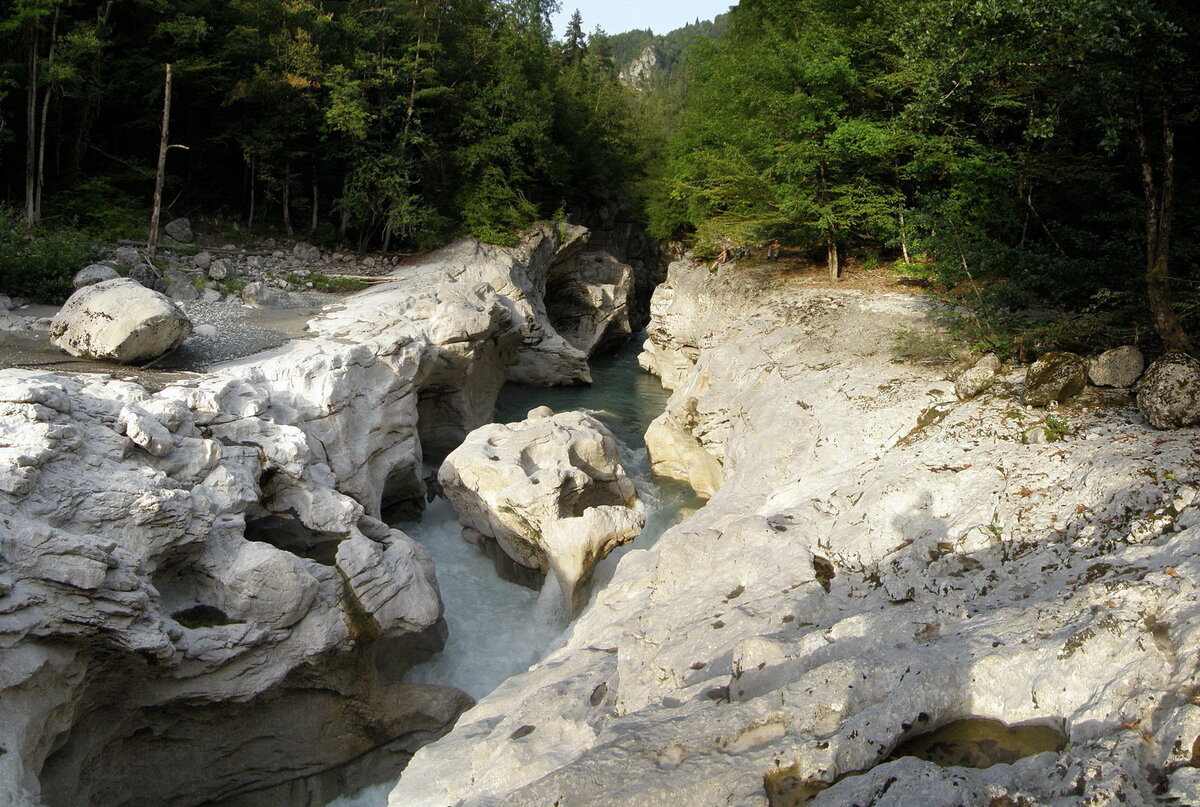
point(499, 629)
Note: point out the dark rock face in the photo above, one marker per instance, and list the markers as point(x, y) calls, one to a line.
point(180, 230)
point(1056, 377)
point(1169, 395)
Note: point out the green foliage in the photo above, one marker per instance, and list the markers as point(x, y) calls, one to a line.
point(325, 283)
point(921, 346)
point(1057, 428)
point(40, 265)
point(396, 124)
point(231, 285)
point(1025, 150)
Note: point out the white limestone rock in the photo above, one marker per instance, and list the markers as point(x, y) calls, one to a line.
point(856, 579)
point(260, 294)
point(978, 378)
point(589, 300)
point(119, 320)
point(1056, 377)
point(550, 490)
point(1120, 367)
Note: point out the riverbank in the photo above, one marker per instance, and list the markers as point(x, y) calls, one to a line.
point(878, 559)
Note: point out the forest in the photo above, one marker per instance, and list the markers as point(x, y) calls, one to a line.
point(1015, 155)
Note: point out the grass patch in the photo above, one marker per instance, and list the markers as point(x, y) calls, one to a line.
point(231, 285)
point(922, 346)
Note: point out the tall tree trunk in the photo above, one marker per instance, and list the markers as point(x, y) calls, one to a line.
point(31, 133)
point(316, 202)
point(832, 258)
point(41, 158)
point(253, 183)
point(903, 239)
point(1160, 209)
point(163, 143)
point(287, 198)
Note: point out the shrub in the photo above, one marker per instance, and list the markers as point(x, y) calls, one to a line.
point(39, 265)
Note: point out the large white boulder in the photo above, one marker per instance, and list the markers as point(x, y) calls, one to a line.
point(550, 490)
point(119, 320)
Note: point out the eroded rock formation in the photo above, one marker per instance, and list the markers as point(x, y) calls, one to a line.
point(878, 559)
point(199, 602)
point(549, 489)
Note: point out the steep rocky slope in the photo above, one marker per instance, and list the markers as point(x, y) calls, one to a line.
point(877, 560)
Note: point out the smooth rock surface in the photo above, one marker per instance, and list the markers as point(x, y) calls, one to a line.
point(1120, 367)
point(91, 275)
point(978, 378)
point(1169, 394)
point(550, 490)
point(119, 320)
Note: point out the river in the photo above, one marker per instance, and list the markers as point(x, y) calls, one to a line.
point(499, 628)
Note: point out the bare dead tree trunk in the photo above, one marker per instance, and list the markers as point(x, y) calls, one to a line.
point(832, 258)
point(287, 198)
point(253, 183)
point(903, 239)
point(31, 132)
point(163, 145)
point(1160, 208)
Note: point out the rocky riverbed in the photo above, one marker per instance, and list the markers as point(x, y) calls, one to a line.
point(879, 560)
point(199, 601)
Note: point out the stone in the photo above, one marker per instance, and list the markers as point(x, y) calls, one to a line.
point(977, 379)
point(263, 295)
point(148, 276)
point(550, 490)
point(158, 598)
point(5, 302)
point(178, 286)
point(119, 320)
point(306, 252)
point(180, 230)
point(96, 273)
point(13, 322)
point(222, 268)
point(202, 260)
point(1120, 367)
point(127, 257)
point(1056, 377)
point(590, 302)
point(1169, 393)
